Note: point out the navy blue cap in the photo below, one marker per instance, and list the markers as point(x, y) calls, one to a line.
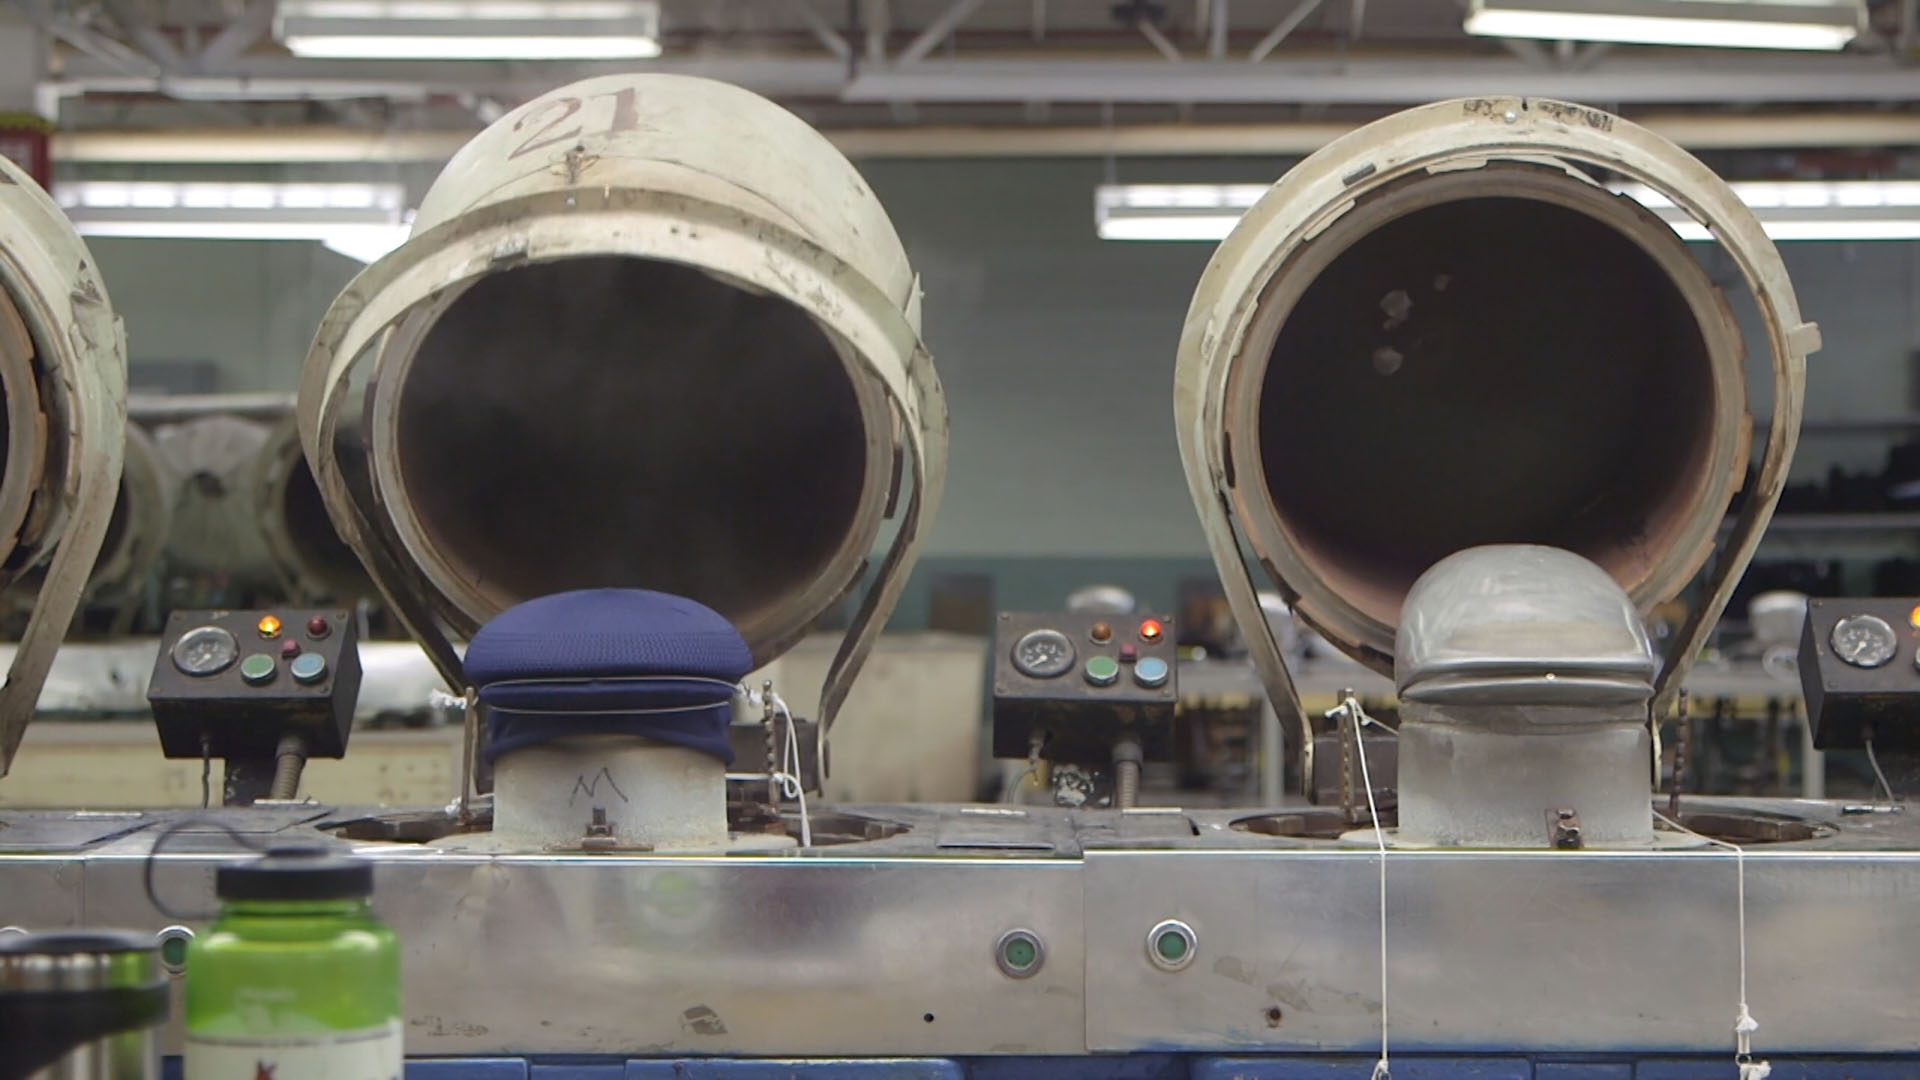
point(608, 662)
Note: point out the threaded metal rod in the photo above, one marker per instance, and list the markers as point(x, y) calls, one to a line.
point(1126, 784)
point(1126, 773)
point(290, 760)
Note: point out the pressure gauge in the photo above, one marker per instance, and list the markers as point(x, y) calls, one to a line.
point(205, 650)
point(1043, 654)
point(1864, 641)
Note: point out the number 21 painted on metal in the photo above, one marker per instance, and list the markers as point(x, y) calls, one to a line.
point(626, 117)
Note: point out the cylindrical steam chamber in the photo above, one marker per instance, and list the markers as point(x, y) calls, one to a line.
point(136, 535)
point(1442, 331)
point(135, 538)
point(312, 563)
point(649, 331)
point(63, 374)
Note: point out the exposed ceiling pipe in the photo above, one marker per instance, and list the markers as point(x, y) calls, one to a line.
point(1589, 56)
point(878, 19)
point(937, 31)
point(110, 55)
point(318, 145)
point(1159, 41)
point(253, 23)
point(1374, 82)
point(1392, 82)
point(151, 43)
point(823, 32)
point(267, 78)
point(1529, 51)
point(1285, 26)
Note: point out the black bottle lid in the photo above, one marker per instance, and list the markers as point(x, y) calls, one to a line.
point(296, 872)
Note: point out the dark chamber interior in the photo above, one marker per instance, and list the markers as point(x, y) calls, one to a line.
point(1482, 371)
point(116, 534)
point(623, 422)
point(310, 530)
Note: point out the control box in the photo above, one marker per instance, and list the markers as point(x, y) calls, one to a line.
point(242, 679)
point(1860, 672)
point(1081, 682)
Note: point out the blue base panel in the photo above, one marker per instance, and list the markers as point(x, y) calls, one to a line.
point(1148, 1067)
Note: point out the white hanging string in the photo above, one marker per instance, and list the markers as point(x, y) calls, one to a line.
point(789, 775)
point(1349, 708)
point(1744, 1025)
point(1873, 759)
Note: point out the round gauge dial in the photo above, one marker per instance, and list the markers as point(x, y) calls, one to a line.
point(205, 650)
point(1864, 640)
point(1043, 654)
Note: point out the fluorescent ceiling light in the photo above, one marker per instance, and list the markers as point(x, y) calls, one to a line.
point(360, 221)
point(1213, 227)
point(1787, 209)
point(1807, 209)
point(1730, 24)
point(1171, 211)
point(472, 48)
point(470, 29)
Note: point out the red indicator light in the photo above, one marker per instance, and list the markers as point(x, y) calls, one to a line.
point(1150, 630)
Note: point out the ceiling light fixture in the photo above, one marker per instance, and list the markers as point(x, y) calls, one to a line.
point(1788, 210)
point(1729, 24)
point(1807, 209)
point(1171, 211)
point(470, 29)
point(360, 221)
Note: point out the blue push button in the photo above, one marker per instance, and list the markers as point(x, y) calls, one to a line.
point(308, 668)
point(1151, 672)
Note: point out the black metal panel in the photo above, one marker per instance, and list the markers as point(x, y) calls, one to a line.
point(1079, 721)
point(241, 720)
point(1845, 701)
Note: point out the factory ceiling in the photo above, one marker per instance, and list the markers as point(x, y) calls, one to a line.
point(927, 77)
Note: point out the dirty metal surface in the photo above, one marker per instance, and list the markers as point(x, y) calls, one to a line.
point(886, 948)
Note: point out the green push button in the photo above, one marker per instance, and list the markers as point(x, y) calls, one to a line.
point(1020, 953)
point(1103, 671)
point(257, 669)
point(1170, 945)
point(173, 948)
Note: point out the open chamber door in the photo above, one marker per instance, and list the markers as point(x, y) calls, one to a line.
point(1441, 331)
point(649, 331)
point(63, 378)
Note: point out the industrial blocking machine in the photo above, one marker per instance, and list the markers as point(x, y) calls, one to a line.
point(653, 331)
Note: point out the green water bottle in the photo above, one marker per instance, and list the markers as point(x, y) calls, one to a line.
point(296, 979)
